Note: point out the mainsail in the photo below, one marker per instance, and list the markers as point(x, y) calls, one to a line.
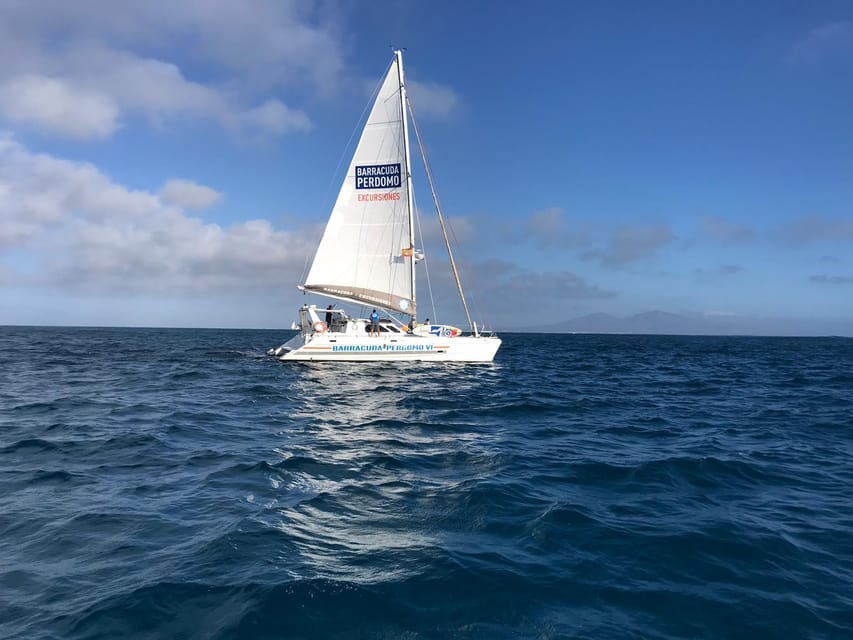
point(366, 253)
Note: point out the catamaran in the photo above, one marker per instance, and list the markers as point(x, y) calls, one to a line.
point(368, 254)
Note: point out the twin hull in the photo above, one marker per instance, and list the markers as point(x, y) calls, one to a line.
point(341, 347)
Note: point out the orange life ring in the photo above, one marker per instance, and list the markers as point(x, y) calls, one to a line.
point(320, 327)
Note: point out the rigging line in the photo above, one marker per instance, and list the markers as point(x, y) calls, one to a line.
point(441, 220)
point(426, 266)
point(465, 266)
point(475, 302)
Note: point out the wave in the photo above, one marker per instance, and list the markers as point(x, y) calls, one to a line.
point(599, 487)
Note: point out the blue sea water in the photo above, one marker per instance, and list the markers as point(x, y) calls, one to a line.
point(160, 483)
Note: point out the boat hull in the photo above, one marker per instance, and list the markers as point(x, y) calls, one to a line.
point(340, 347)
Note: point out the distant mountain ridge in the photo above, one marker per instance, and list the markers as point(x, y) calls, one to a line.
point(666, 323)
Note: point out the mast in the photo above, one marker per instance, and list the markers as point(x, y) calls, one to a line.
point(398, 54)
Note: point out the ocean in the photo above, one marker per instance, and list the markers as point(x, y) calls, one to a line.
point(165, 483)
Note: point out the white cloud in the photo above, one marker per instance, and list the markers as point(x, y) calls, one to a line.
point(460, 229)
point(545, 223)
point(265, 42)
point(549, 229)
point(824, 279)
point(39, 191)
point(223, 62)
point(716, 274)
point(430, 99)
point(632, 243)
point(724, 231)
point(85, 231)
point(502, 288)
point(817, 228)
point(831, 40)
point(56, 106)
point(148, 86)
point(274, 117)
point(189, 195)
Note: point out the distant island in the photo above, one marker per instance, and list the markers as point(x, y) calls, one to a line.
point(666, 323)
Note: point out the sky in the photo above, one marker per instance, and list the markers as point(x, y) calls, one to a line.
point(174, 164)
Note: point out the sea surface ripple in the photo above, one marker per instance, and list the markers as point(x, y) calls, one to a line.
point(163, 483)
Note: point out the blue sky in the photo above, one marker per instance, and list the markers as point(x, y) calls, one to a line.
point(173, 165)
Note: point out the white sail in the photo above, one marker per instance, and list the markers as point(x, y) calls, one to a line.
point(365, 254)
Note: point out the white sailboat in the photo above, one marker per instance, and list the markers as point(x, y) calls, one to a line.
point(367, 256)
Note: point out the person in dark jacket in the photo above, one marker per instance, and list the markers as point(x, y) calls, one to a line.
point(374, 324)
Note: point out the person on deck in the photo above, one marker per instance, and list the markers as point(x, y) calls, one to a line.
point(329, 317)
point(374, 324)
